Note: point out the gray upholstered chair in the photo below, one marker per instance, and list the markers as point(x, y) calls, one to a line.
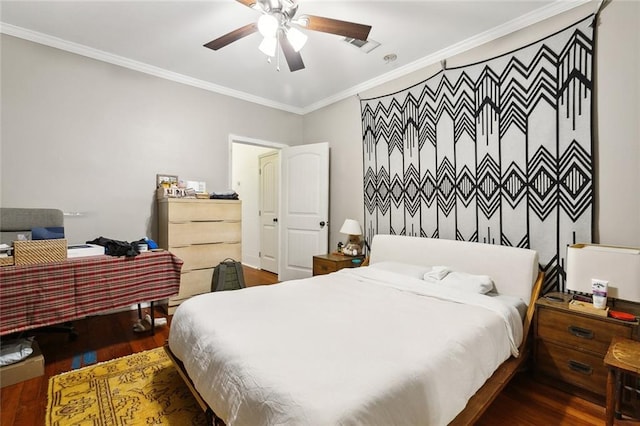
point(14, 221)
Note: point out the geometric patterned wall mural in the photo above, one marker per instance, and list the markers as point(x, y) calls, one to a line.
point(498, 152)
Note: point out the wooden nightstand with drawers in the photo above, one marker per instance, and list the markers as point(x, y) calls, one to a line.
point(332, 262)
point(570, 347)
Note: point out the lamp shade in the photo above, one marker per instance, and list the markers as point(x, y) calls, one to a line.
point(268, 46)
point(620, 266)
point(297, 38)
point(351, 227)
point(268, 26)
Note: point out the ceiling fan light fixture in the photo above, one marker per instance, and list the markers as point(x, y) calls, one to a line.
point(297, 38)
point(268, 26)
point(268, 46)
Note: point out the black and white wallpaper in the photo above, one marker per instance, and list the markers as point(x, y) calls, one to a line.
point(498, 152)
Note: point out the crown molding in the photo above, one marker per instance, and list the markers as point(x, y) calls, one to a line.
point(468, 44)
point(507, 28)
point(101, 55)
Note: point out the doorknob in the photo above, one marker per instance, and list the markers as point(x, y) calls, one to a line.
point(275, 219)
point(322, 224)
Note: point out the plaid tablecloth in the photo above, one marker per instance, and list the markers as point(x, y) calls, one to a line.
point(51, 293)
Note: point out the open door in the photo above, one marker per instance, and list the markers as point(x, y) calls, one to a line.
point(269, 200)
point(304, 217)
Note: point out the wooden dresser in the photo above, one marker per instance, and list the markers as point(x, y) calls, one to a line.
point(202, 233)
point(570, 347)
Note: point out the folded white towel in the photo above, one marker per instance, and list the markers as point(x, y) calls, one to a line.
point(437, 273)
point(474, 283)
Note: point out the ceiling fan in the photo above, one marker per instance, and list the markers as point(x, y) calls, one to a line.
point(279, 26)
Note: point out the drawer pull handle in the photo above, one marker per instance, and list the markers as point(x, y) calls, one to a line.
point(583, 333)
point(580, 367)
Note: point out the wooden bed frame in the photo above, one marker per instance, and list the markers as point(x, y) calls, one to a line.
point(476, 405)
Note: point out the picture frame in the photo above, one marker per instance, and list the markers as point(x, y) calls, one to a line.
point(166, 180)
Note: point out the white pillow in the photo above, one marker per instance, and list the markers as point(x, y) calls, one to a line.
point(413, 271)
point(463, 281)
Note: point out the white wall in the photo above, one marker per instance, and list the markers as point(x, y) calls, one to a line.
point(617, 139)
point(618, 126)
point(87, 136)
point(246, 182)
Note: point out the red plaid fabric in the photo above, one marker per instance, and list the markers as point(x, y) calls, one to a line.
point(51, 293)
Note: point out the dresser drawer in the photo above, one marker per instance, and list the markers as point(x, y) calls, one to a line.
point(577, 331)
point(201, 256)
point(187, 233)
point(580, 369)
point(204, 211)
point(195, 282)
point(321, 266)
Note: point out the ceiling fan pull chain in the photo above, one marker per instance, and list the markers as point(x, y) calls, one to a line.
point(278, 54)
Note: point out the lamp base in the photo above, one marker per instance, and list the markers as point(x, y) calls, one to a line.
point(352, 249)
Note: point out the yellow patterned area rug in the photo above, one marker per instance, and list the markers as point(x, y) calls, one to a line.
point(139, 389)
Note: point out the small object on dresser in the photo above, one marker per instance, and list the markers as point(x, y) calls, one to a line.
point(622, 316)
point(582, 298)
point(588, 308)
point(554, 298)
point(599, 290)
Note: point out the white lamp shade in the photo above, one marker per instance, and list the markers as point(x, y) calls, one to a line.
point(297, 38)
point(351, 227)
point(620, 266)
point(268, 25)
point(268, 46)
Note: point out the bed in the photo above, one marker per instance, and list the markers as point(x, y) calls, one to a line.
point(428, 333)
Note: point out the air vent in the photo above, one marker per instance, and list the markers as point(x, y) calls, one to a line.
point(365, 46)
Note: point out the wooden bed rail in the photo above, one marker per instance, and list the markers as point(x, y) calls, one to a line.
point(479, 402)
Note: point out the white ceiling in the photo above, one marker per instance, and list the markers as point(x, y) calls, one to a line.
point(166, 38)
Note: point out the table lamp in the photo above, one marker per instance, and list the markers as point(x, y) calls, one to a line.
point(618, 268)
point(353, 247)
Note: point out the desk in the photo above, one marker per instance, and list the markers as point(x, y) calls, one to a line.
point(34, 296)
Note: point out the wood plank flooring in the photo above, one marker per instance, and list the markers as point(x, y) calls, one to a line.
point(524, 401)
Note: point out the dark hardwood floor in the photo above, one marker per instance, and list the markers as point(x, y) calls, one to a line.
point(523, 402)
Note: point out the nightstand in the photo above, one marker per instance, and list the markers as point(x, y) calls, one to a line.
point(332, 262)
point(570, 347)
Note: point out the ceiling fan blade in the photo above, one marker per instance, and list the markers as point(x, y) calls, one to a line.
point(248, 3)
point(335, 26)
point(294, 59)
point(234, 35)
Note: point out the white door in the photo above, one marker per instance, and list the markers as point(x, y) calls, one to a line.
point(269, 198)
point(304, 217)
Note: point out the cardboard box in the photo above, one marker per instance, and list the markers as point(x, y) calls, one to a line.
point(28, 368)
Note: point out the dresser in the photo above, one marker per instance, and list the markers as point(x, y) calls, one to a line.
point(570, 347)
point(202, 233)
point(332, 262)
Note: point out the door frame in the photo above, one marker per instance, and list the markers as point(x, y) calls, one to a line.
point(245, 140)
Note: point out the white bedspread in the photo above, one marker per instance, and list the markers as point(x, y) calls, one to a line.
point(361, 346)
